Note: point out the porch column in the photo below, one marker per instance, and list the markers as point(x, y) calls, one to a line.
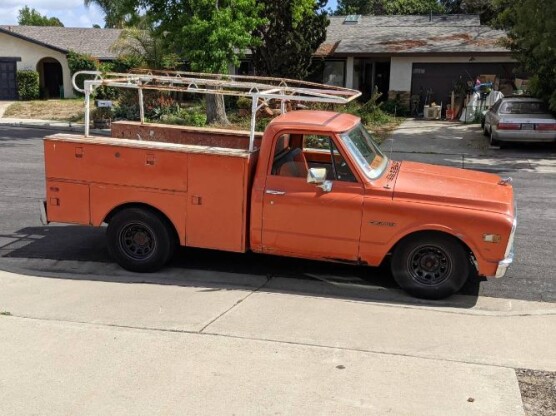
point(349, 72)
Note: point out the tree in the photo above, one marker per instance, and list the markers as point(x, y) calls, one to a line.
point(31, 17)
point(388, 7)
point(406, 7)
point(141, 46)
point(364, 7)
point(488, 10)
point(210, 34)
point(533, 40)
point(292, 32)
point(117, 13)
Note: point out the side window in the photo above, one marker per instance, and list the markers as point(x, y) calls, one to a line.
point(321, 152)
point(288, 157)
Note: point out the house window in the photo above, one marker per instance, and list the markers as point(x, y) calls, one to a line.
point(334, 73)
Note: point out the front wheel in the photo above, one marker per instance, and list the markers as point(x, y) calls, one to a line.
point(139, 240)
point(430, 266)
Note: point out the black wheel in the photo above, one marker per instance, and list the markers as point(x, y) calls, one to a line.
point(431, 266)
point(140, 240)
point(493, 141)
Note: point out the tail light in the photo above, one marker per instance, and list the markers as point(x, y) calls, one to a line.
point(509, 126)
point(546, 126)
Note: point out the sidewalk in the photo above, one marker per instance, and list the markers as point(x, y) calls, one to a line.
point(101, 347)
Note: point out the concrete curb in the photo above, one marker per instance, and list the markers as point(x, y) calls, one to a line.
point(53, 126)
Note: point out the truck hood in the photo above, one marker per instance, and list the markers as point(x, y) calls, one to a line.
point(444, 185)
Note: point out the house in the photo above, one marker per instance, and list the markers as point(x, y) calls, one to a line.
point(45, 49)
point(407, 57)
point(412, 56)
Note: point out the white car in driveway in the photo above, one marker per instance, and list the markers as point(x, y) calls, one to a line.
point(519, 120)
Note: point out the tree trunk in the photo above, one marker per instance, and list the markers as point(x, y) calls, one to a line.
point(216, 110)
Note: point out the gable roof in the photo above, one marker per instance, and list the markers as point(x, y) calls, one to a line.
point(91, 41)
point(399, 35)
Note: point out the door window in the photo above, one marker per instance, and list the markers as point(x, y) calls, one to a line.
point(321, 152)
point(288, 157)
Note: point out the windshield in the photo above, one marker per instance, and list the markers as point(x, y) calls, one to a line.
point(365, 151)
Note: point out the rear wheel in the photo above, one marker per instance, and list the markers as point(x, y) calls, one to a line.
point(431, 266)
point(140, 240)
point(493, 141)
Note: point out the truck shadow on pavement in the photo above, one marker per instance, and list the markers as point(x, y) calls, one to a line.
point(80, 253)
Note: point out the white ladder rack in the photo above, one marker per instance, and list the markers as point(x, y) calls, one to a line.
point(261, 90)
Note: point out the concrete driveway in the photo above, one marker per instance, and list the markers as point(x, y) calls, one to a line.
point(3, 106)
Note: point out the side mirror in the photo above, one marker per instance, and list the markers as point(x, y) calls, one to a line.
point(318, 177)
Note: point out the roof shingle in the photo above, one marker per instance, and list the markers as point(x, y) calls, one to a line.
point(91, 41)
point(394, 35)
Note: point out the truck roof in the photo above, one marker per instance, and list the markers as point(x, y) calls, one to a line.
point(317, 120)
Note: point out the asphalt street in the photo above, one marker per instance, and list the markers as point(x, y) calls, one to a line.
point(28, 246)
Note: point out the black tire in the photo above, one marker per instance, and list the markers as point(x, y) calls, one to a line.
point(430, 266)
point(140, 240)
point(493, 141)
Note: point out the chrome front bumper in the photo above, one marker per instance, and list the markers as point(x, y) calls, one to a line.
point(509, 255)
point(503, 266)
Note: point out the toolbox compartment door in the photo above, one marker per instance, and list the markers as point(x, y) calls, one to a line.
point(67, 202)
point(216, 207)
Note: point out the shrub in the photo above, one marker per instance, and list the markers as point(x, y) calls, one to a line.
point(101, 113)
point(185, 118)
point(395, 107)
point(81, 62)
point(126, 63)
point(28, 84)
point(371, 112)
point(244, 102)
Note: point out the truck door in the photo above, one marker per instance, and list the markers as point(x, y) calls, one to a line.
point(300, 219)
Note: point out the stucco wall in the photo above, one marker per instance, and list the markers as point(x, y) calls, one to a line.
point(401, 67)
point(30, 54)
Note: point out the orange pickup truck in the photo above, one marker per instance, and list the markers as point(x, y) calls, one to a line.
point(315, 186)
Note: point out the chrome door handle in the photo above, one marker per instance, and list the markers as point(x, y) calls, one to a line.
point(273, 192)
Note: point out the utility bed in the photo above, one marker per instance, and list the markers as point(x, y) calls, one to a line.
point(202, 186)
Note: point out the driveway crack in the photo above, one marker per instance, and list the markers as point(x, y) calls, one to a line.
point(235, 304)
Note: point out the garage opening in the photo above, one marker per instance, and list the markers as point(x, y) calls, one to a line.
point(434, 82)
point(8, 81)
point(51, 78)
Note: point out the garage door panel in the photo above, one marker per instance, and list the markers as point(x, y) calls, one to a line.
point(8, 83)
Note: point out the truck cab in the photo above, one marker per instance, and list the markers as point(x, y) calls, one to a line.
point(435, 222)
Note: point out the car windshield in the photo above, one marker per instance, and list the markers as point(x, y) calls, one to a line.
point(365, 151)
point(522, 107)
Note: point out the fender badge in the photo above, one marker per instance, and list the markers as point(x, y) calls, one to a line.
point(382, 223)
